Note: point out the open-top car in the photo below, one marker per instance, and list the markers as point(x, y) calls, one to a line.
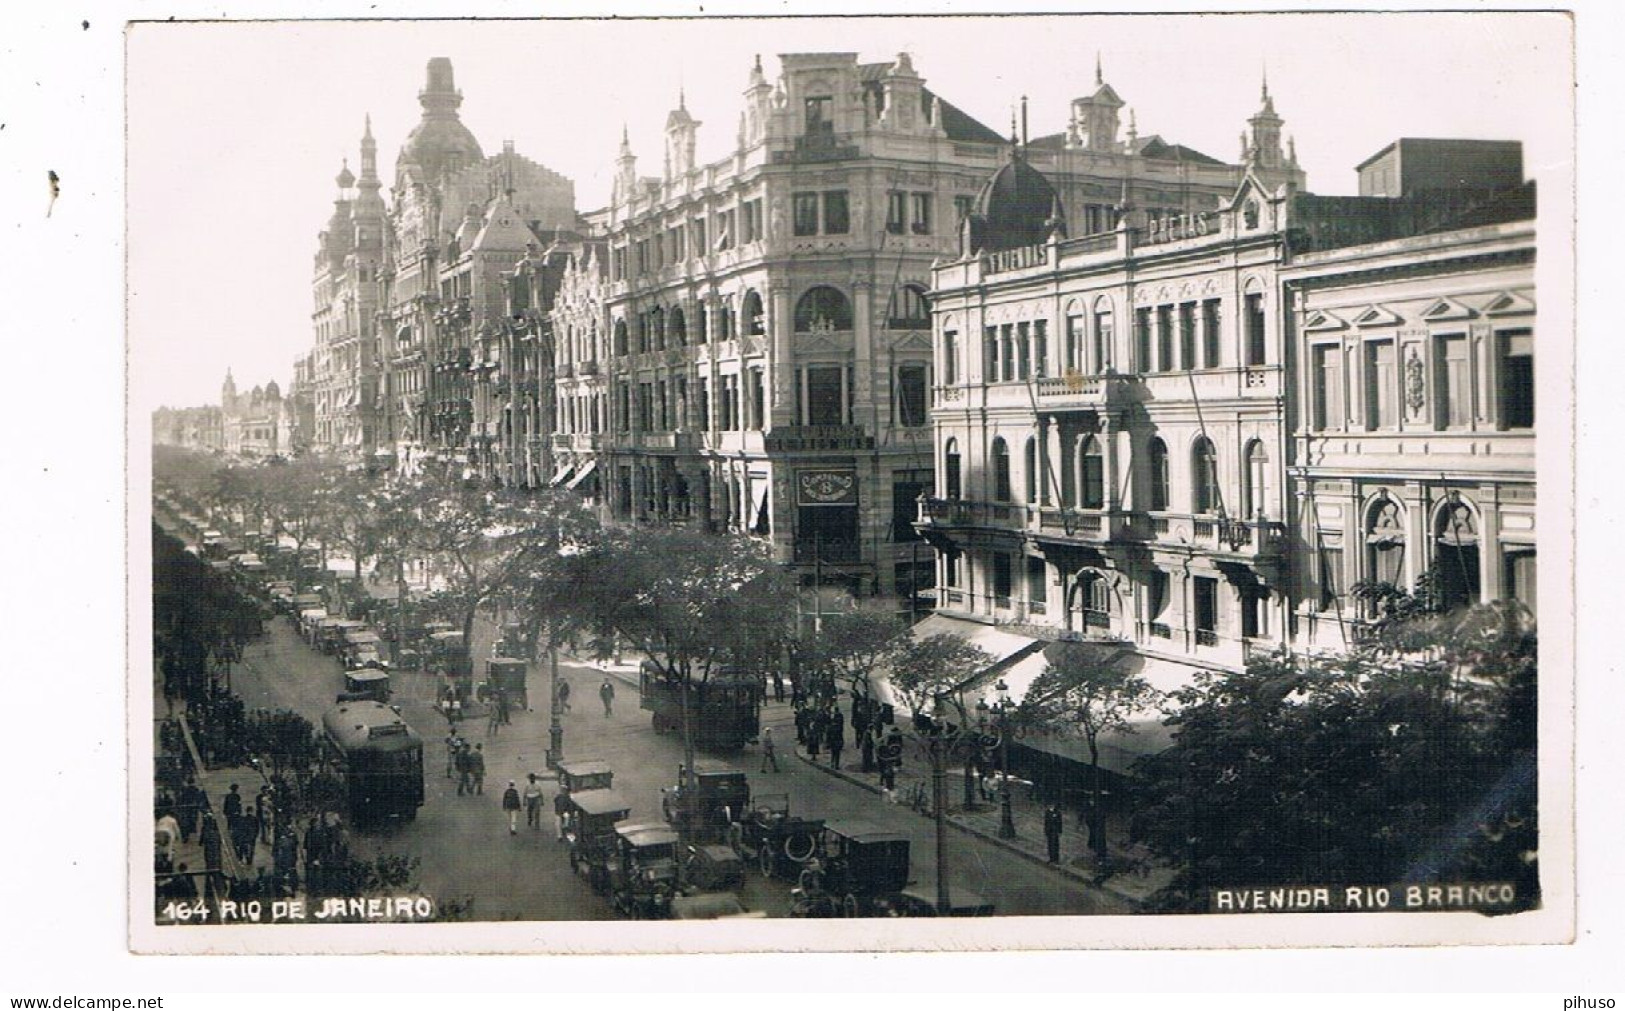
point(777, 842)
point(862, 869)
point(643, 877)
point(704, 802)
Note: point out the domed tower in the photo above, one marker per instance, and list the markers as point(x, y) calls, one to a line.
point(1017, 207)
point(440, 144)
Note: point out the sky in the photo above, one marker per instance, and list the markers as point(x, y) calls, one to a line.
point(235, 131)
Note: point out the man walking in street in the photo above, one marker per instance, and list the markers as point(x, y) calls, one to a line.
point(769, 756)
point(510, 804)
point(476, 769)
point(533, 803)
point(1052, 832)
point(564, 694)
point(232, 808)
point(463, 759)
point(835, 737)
point(606, 691)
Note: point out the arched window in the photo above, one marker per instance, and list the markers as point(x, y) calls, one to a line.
point(1157, 457)
point(909, 310)
point(656, 330)
point(1091, 475)
point(1455, 555)
point(751, 311)
point(1029, 466)
point(951, 469)
point(823, 309)
point(1255, 502)
point(1204, 477)
point(1385, 543)
point(620, 337)
point(1093, 596)
point(677, 328)
point(1001, 471)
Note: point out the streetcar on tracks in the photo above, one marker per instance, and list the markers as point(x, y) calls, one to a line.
point(379, 758)
point(721, 712)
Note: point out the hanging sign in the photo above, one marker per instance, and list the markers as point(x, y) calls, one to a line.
point(827, 488)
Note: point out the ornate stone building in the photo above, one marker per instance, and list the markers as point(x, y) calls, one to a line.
point(751, 351)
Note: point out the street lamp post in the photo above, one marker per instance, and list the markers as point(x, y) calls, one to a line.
point(1007, 823)
point(555, 729)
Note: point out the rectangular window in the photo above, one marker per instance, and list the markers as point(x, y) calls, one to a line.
point(1007, 357)
point(1515, 378)
point(836, 219)
point(1252, 614)
point(645, 406)
point(697, 227)
point(1328, 395)
point(1156, 595)
point(1255, 329)
point(824, 395)
point(1211, 340)
point(820, 113)
point(1002, 581)
point(895, 208)
point(677, 250)
point(1094, 480)
point(1037, 582)
point(804, 211)
point(921, 220)
point(1381, 401)
point(702, 401)
point(906, 489)
point(1040, 348)
point(1023, 349)
point(950, 565)
point(1142, 341)
point(755, 399)
point(661, 400)
point(1331, 571)
point(1205, 594)
point(725, 229)
point(950, 358)
point(990, 355)
point(1165, 338)
point(1074, 345)
point(1452, 402)
point(1187, 335)
point(962, 207)
point(1102, 342)
point(911, 395)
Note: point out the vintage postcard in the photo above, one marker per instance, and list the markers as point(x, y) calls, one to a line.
point(779, 484)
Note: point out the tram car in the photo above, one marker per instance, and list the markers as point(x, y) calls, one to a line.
point(378, 756)
point(721, 712)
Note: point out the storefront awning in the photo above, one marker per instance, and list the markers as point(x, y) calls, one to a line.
point(582, 474)
point(1006, 648)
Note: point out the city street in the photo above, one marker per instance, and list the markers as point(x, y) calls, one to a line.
point(465, 850)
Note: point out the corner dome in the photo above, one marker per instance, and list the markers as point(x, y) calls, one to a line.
point(1015, 208)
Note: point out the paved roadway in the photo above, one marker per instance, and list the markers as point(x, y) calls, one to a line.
point(463, 842)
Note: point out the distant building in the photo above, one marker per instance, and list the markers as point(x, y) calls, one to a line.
point(188, 427)
point(256, 424)
point(1411, 166)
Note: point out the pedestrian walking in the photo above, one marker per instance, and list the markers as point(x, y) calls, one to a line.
point(564, 694)
point(801, 724)
point(267, 806)
point(866, 745)
point(1052, 832)
point(493, 722)
point(504, 709)
point(835, 738)
point(465, 770)
point(769, 756)
point(189, 809)
point(476, 769)
point(814, 734)
point(232, 806)
point(453, 747)
point(510, 804)
point(533, 803)
point(606, 692)
point(560, 805)
point(778, 688)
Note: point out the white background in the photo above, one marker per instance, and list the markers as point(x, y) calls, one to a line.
point(62, 893)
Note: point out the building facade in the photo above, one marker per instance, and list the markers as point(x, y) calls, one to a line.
point(1192, 435)
point(258, 424)
point(752, 351)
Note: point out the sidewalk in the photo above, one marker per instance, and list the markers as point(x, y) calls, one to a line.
point(1134, 886)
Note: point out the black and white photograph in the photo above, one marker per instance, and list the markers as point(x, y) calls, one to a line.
point(1020, 482)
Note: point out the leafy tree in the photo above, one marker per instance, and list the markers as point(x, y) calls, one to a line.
point(931, 673)
point(1409, 759)
point(1080, 691)
point(854, 644)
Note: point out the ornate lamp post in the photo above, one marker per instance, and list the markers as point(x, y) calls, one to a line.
point(1007, 823)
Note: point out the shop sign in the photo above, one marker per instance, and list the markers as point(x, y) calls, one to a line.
point(827, 488)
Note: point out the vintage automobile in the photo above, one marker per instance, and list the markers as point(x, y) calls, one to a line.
point(334, 631)
point(589, 830)
point(775, 841)
point(585, 774)
point(643, 877)
point(921, 900)
point(505, 677)
point(365, 684)
point(704, 803)
point(362, 649)
point(712, 867)
point(861, 868)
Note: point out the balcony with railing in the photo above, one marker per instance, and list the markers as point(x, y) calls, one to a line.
point(1078, 390)
point(1219, 535)
point(952, 512)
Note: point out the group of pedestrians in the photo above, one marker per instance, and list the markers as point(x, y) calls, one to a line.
point(467, 763)
point(819, 728)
